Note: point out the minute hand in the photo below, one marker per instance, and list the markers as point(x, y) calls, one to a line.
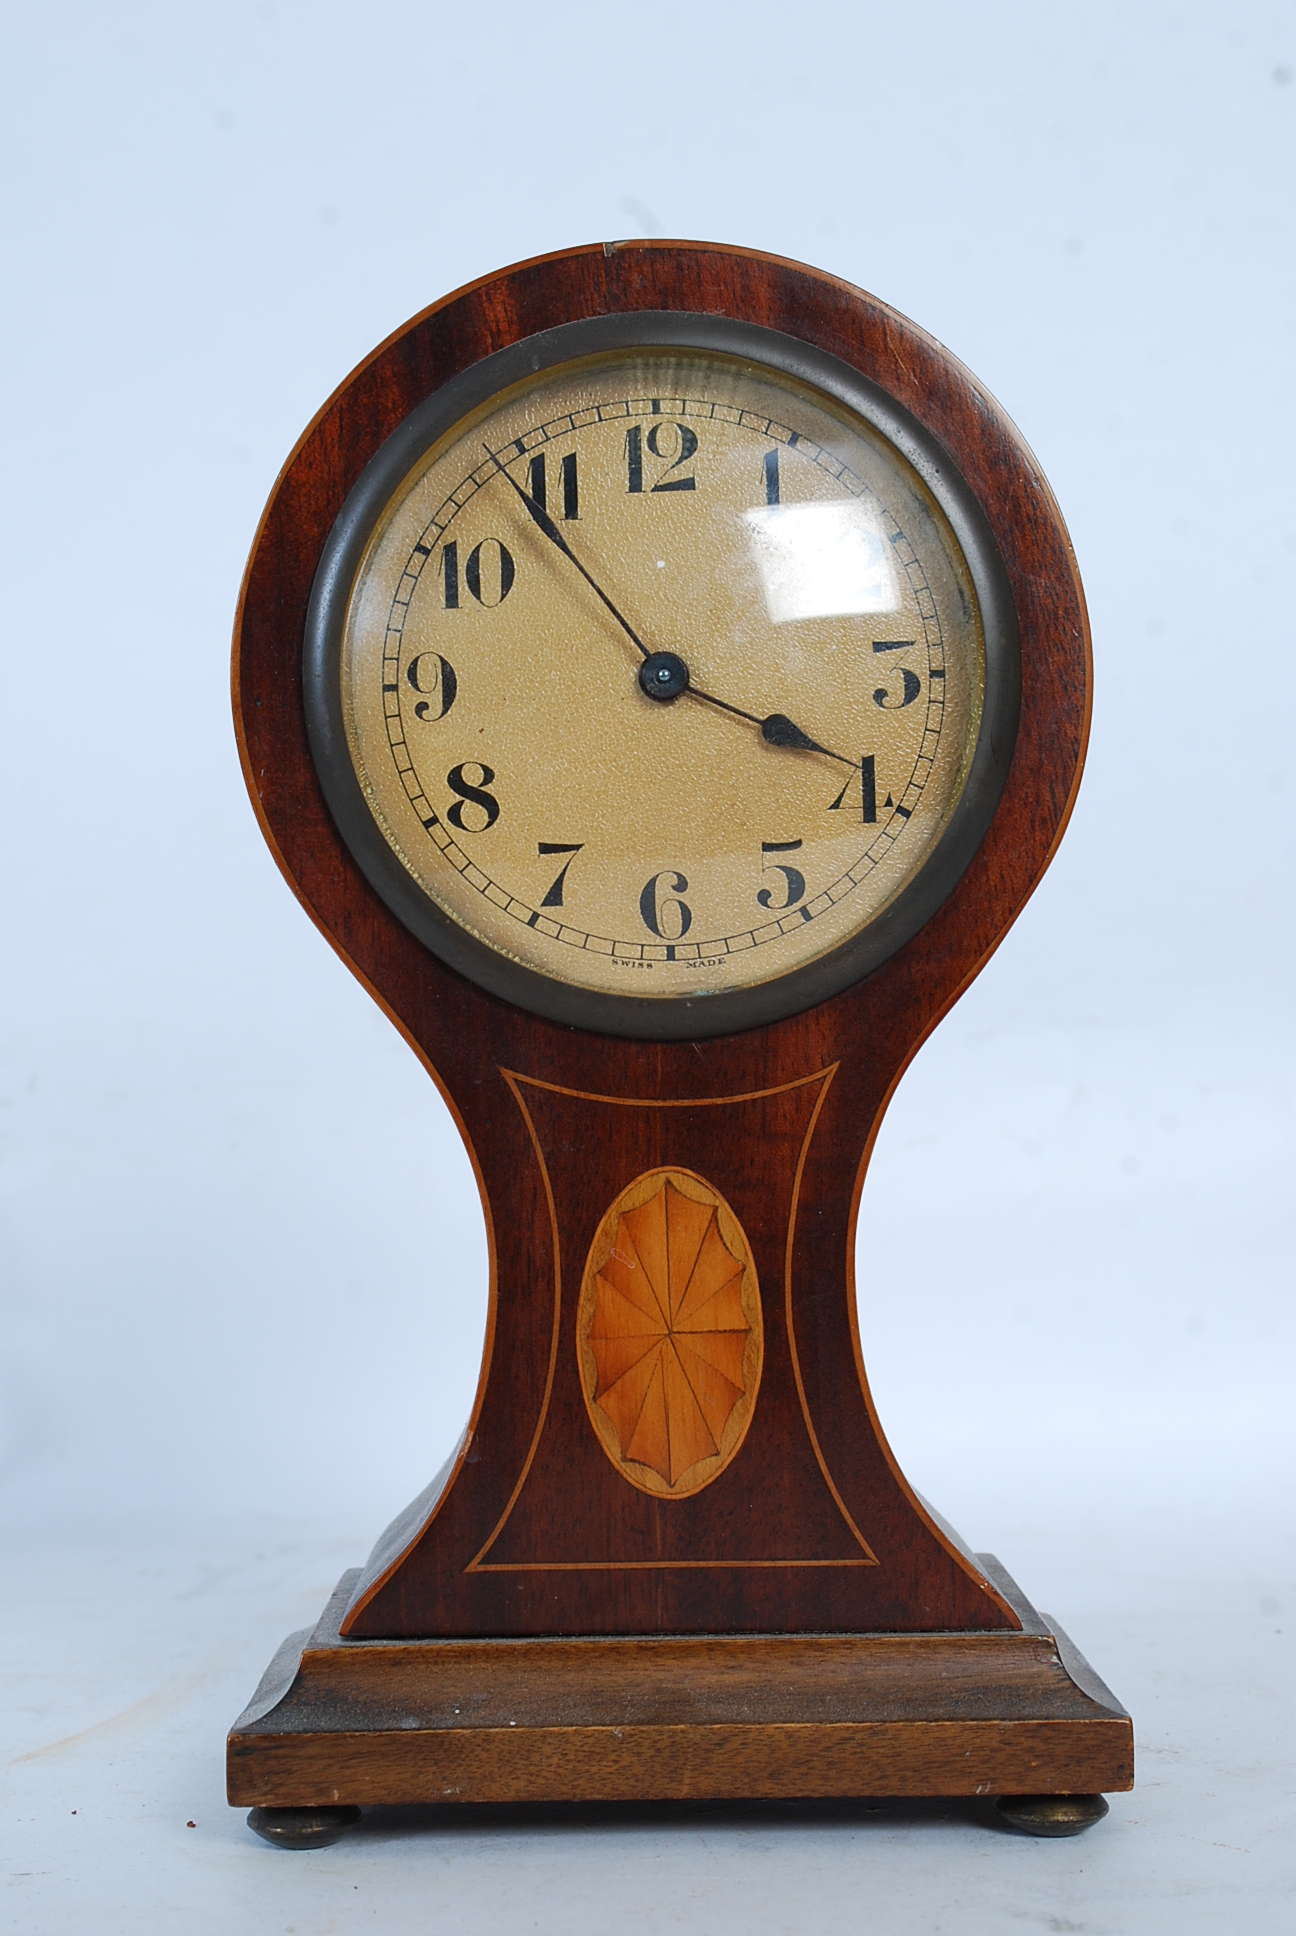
point(776, 728)
point(551, 531)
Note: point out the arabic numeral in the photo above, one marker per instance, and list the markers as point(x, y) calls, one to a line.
point(430, 674)
point(910, 683)
point(664, 914)
point(673, 443)
point(794, 880)
point(868, 790)
point(474, 797)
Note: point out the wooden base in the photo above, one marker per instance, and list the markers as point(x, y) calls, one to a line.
point(655, 1718)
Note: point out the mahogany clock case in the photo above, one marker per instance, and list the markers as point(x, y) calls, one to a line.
point(531, 1540)
point(684, 1018)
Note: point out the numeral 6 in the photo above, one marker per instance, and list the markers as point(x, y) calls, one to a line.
point(664, 913)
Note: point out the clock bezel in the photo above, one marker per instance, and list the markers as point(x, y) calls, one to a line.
point(693, 1015)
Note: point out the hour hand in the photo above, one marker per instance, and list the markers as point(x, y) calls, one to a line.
point(776, 728)
point(779, 730)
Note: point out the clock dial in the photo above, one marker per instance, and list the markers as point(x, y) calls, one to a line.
point(661, 673)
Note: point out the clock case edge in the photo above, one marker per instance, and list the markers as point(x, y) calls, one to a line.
point(846, 324)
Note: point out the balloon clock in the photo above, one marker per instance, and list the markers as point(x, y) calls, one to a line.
point(662, 673)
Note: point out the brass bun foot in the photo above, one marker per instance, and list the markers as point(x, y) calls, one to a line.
point(301, 1828)
point(1051, 1814)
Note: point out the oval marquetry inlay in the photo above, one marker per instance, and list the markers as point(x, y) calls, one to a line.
point(669, 1333)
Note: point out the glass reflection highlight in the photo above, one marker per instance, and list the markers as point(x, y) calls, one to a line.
point(821, 560)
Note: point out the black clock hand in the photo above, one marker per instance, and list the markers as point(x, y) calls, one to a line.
point(666, 670)
point(776, 728)
point(551, 531)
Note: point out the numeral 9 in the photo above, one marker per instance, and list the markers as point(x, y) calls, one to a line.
point(429, 673)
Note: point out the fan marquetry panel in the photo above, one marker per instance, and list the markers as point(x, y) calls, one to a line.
point(669, 1333)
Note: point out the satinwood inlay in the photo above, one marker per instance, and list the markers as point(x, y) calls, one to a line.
point(669, 1333)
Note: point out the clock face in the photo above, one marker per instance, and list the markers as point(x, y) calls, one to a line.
point(657, 675)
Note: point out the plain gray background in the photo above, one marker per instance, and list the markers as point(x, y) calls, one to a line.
point(242, 1268)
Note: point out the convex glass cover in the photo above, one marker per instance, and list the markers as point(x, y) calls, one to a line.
point(660, 673)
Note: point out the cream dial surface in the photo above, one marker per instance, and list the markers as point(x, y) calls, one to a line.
point(777, 545)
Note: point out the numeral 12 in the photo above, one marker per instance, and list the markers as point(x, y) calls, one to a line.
point(634, 450)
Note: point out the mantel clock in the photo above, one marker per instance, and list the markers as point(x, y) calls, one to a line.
point(662, 673)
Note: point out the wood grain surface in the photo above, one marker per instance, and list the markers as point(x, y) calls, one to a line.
point(811, 1527)
point(650, 1718)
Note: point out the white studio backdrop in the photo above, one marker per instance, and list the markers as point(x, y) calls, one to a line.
point(242, 1266)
